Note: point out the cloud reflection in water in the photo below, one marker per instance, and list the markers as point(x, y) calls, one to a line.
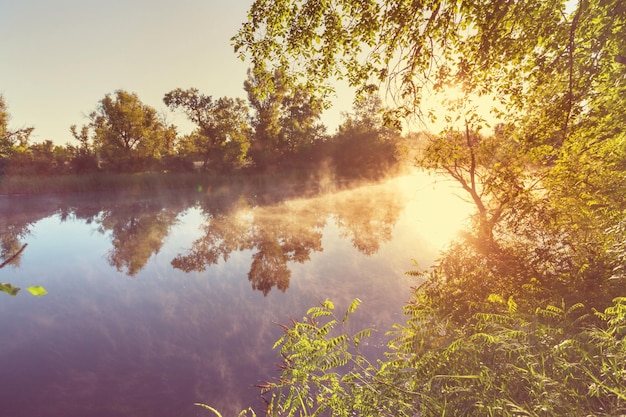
point(123, 332)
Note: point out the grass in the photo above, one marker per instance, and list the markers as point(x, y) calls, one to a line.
point(13, 185)
point(150, 182)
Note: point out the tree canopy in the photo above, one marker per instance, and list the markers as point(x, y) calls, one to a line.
point(128, 133)
point(553, 67)
point(285, 118)
point(533, 55)
point(526, 300)
point(223, 134)
point(11, 140)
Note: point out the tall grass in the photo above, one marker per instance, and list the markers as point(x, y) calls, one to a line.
point(156, 181)
point(13, 185)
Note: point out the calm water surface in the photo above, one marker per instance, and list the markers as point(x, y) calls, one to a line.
point(155, 303)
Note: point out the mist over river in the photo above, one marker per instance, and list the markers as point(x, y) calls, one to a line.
point(158, 302)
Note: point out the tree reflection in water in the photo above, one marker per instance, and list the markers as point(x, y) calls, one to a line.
point(11, 236)
point(16, 219)
point(367, 216)
point(137, 233)
point(276, 230)
point(291, 231)
point(276, 234)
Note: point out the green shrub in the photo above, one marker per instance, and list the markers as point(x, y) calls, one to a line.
point(509, 363)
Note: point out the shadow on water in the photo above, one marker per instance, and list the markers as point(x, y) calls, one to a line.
point(149, 309)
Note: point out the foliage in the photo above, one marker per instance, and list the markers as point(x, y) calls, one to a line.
point(84, 158)
point(547, 183)
point(12, 290)
point(12, 141)
point(223, 135)
point(363, 145)
point(285, 120)
point(283, 132)
point(549, 65)
point(320, 365)
point(128, 134)
point(540, 57)
point(39, 159)
point(505, 363)
point(218, 414)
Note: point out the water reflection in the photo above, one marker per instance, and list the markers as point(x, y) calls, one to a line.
point(101, 344)
point(289, 232)
point(136, 224)
point(137, 233)
point(276, 234)
point(15, 226)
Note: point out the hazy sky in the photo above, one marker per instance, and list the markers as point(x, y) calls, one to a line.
point(59, 58)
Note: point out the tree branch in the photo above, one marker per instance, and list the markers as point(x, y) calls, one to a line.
point(14, 256)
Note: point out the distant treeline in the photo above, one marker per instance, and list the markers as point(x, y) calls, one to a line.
point(270, 132)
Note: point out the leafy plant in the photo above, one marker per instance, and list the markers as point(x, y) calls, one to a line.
point(505, 364)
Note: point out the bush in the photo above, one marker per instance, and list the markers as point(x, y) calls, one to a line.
point(508, 363)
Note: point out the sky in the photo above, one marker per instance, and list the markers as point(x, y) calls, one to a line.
point(58, 59)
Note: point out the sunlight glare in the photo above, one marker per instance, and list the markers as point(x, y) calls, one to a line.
point(441, 214)
point(449, 108)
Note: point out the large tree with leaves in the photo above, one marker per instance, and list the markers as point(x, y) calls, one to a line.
point(222, 138)
point(129, 134)
point(554, 68)
point(363, 145)
point(285, 120)
point(547, 184)
point(527, 52)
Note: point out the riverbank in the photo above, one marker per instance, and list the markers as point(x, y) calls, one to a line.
point(297, 181)
point(56, 184)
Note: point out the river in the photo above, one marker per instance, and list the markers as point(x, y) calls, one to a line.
point(156, 302)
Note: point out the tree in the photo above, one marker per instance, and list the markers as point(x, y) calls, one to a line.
point(47, 158)
point(363, 145)
point(11, 141)
point(299, 121)
point(547, 185)
point(223, 135)
point(286, 118)
point(128, 134)
point(84, 159)
point(552, 49)
point(551, 65)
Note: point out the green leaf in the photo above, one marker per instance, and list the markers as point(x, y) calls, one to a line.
point(353, 306)
point(495, 298)
point(9, 289)
point(37, 290)
point(360, 335)
point(512, 305)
